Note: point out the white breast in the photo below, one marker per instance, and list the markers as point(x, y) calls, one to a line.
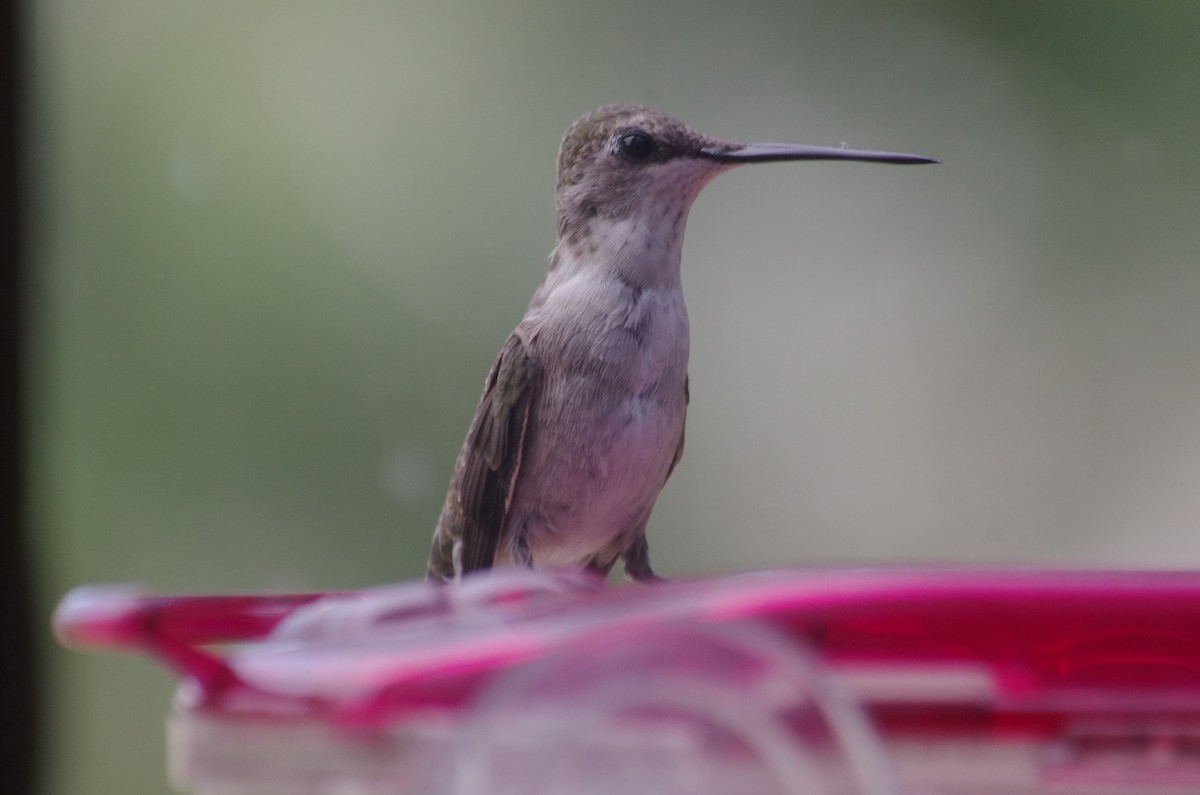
point(611, 412)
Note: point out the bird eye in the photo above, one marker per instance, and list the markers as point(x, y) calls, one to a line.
point(636, 147)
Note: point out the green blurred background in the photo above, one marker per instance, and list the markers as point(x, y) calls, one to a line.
point(279, 243)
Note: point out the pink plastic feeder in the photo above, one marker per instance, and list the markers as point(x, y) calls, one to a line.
point(847, 682)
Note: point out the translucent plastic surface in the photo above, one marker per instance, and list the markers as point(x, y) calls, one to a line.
point(673, 709)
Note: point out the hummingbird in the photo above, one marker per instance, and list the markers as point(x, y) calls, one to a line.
point(581, 421)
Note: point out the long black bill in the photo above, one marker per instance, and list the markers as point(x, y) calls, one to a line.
point(766, 153)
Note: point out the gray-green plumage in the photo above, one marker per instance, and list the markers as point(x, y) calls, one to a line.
point(582, 416)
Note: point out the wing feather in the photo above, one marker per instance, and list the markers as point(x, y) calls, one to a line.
point(485, 475)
